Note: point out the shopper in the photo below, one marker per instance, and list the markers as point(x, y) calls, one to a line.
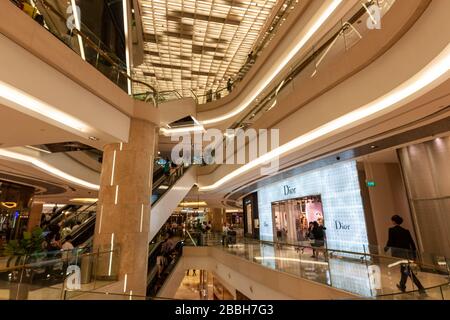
point(209, 95)
point(76, 226)
point(229, 85)
point(67, 245)
point(319, 237)
point(309, 233)
point(225, 230)
point(402, 245)
point(166, 168)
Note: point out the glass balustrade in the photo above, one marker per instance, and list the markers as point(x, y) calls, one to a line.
point(371, 273)
point(47, 275)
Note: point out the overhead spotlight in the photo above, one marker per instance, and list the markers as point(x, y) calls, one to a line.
point(373, 147)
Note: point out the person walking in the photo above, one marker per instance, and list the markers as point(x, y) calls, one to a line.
point(318, 233)
point(225, 230)
point(68, 255)
point(402, 245)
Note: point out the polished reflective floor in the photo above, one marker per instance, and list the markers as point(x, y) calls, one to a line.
point(189, 288)
point(370, 277)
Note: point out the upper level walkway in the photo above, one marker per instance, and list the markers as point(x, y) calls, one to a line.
point(282, 270)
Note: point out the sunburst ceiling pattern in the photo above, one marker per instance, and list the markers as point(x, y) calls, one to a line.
point(198, 45)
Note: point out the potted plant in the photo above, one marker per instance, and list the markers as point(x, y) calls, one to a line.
point(22, 252)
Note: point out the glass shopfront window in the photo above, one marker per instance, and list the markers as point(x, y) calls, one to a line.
point(291, 217)
point(330, 195)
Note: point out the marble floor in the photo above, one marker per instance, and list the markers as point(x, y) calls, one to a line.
point(189, 287)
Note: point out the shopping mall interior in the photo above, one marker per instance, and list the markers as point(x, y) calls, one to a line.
point(225, 150)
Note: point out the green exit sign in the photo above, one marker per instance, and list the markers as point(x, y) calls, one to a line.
point(371, 183)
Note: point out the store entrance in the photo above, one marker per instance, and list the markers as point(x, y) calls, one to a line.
point(291, 217)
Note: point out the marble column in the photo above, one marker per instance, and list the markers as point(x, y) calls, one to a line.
point(34, 218)
point(123, 212)
point(216, 216)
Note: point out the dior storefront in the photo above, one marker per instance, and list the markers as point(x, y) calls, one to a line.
point(330, 195)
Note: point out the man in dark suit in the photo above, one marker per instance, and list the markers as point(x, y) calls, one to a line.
point(402, 246)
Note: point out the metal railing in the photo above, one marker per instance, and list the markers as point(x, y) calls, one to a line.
point(45, 275)
point(165, 182)
point(221, 92)
point(345, 35)
point(86, 44)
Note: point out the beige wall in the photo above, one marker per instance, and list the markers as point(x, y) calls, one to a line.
point(387, 198)
point(354, 91)
point(427, 170)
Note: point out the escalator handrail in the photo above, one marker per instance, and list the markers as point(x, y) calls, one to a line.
point(77, 213)
point(58, 213)
point(174, 181)
point(86, 224)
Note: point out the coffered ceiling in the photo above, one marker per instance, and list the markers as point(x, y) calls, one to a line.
point(198, 44)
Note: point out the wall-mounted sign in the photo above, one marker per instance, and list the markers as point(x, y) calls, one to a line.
point(342, 207)
point(287, 190)
point(339, 225)
point(371, 183)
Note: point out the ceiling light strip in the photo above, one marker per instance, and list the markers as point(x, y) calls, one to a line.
point(181, 130)
point(38, 149)
point(30, 103)
point(324, 14)
point(47, 168)
point(436, 69)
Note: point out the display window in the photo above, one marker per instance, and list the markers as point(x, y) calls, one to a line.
point(291, 218)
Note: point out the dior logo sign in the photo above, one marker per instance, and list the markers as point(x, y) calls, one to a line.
point(341, 226)
point(288, 190)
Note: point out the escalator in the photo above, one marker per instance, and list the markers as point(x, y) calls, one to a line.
point(163, 204)
point(167, 193)
point(82, 236)
point(60, 213)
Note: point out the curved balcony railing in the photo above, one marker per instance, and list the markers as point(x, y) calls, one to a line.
point(285, 8)
point(370, 273)
point(43, 275)
point(84, 42)
point(341, 38)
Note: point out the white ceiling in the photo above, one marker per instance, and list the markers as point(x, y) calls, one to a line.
point(19, 129)
point(32, 173)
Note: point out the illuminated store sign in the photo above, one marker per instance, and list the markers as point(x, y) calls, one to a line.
point(338, 189)
point(288, 190)
point(371, 183)
point(9, 205)
point(341, 226)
